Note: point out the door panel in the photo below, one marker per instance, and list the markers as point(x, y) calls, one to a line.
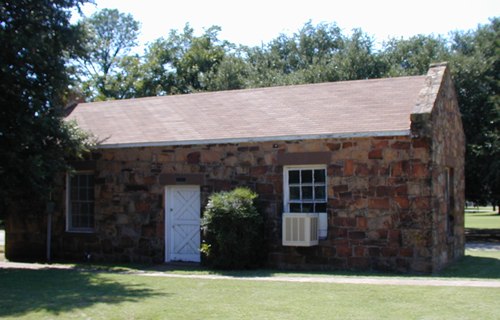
point(182, 230)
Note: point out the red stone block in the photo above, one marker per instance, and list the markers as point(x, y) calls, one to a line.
point(343, 251)
point(404, 145)
point(421, 143)
point(345, 195)
point(142, 206)
point(262, 188)
point(340, 188)
point(380, 144)
point(394, 236)
point(160, 230)
point(333, 146)
point(339, 233)
point(402, 202)
point(419, 170)
point(346, 145)
point(389, 252)
point(148, 231)
point(397, 169)
point(344, 222)
point(334, 170)
point(193, 158)
point(406, 252)
point(348, 167)
point(375, 154)
point(362, 170)
point(401, 190)
point(359, 251)
point(340, 242)
point(359, 263)
point(421, 203)
point(356, 235)
point(361, 223)
point(384, 171)
point(382, 234)
point(258, 171)
point(384, 191)
point(378, 203)
point(336, 204)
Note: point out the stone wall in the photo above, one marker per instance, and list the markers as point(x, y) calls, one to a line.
point(438, 116)
point(448, 152)
point(379, 200)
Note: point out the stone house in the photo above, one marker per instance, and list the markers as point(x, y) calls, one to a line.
point(365, 175)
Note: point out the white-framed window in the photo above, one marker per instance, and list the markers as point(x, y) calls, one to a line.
point(80, 202)
point(305, 188)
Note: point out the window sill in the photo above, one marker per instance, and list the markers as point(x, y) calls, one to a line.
point(84, 231)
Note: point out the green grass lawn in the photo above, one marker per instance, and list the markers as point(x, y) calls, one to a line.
point(76, 294)
point(482, 218)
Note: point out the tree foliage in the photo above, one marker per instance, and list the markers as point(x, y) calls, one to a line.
point(36, 40)
point(476, 66)
point(414, 55)
point(183, 62)
point(106, 70)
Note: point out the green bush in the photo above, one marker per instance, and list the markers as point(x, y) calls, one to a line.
point(233, 230)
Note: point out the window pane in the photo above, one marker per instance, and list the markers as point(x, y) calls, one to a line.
point(81, 208)
point(306, 176)
point(295, 207)
point(319, 176)
point(75, 209)
point(74, 182)
point(307, 193)
point(319, 193)
point(293, 177)
point(294, 193)
point(82, 194)
point(81, 180)
point(307, 207)
point(74, 193)
point(320, 207)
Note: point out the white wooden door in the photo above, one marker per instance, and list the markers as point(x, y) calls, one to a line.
point(182, 223)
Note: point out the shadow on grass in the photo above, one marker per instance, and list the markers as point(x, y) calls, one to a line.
point(480, 267)
point(472, 266)
point(55, 291)
point(482, 214)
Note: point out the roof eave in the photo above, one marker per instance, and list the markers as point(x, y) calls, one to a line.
point(344, 135)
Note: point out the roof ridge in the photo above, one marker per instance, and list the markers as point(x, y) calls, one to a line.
point(280, 87)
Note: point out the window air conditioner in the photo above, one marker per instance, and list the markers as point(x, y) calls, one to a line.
point(300, 229)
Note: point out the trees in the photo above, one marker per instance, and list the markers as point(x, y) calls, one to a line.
point(414, 55)
point(36, 40)
point(105, 69)
point(183, 62)
point(476, 67)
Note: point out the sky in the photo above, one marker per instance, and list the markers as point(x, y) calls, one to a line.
point(257, 22)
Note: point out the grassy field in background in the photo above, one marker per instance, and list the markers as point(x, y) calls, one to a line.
point(80, 294)
point(481, 218)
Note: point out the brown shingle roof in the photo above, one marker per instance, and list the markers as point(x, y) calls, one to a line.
point(337, 109)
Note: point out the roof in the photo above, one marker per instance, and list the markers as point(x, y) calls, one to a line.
point(377, 107)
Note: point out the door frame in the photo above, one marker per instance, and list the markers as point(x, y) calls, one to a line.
point(168, 217)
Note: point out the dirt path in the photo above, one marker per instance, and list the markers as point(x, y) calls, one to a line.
point(394, 281)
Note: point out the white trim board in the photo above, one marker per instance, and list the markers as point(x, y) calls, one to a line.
point(256, 139)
